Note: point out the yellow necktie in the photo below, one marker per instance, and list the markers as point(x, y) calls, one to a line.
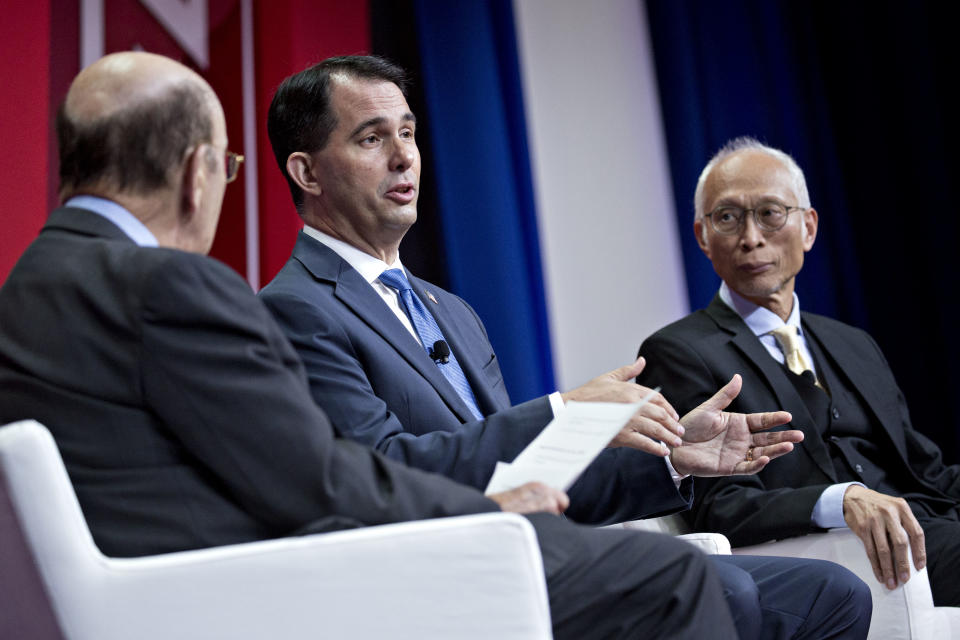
point(790, 344)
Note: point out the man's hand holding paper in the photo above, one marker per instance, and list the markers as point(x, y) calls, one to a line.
point(655, 425)
point(532, 497)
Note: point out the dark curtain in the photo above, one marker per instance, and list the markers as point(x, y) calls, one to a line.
point(861, 95)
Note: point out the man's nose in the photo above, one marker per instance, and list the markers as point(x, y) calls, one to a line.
point(404, 154)
point(751, 235)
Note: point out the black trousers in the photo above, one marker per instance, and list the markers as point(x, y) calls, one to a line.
point(628, 584)
point(774, 598)
point(606, 583)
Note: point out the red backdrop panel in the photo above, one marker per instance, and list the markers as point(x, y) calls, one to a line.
point(24, 76)
point(290, 36)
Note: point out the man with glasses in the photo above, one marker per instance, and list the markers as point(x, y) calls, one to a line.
point(861, 463)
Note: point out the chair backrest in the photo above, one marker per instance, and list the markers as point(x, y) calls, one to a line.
point(25, 611)
point(46, 507)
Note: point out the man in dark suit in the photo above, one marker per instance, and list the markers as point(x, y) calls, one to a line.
point(181, 411)
point(368, 332)
point(861, 463)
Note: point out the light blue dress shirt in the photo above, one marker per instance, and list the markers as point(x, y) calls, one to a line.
point(828, 511)
point(116, 214)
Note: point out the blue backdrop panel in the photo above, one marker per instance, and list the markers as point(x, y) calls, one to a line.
point(481, 167)
point(731, 69)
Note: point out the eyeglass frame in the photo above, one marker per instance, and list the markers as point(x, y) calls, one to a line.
point(756, 219)
point(232, 162)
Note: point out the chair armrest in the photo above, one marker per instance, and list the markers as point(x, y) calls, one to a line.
point(710, 543)
point(674, 525)
point(905, 612)
point(475, 576)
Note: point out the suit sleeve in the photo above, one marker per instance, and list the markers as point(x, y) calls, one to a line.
point(221, 377)
point(747, 509)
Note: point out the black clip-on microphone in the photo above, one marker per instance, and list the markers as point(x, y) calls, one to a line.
point(440, 352)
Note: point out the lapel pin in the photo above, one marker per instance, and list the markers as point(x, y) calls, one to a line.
point(432, 299)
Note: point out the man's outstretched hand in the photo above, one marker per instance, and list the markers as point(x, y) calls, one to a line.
point(718, 443)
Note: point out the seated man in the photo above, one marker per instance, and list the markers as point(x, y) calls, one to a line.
point(181, 411)
point(368, 333)
point(861, 463)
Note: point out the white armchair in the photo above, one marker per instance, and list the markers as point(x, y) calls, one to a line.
point(467, 577)
point(906, 613)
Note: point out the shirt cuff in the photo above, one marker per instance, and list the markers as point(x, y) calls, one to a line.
point(556, 403)
point(676, 475)
point(828, 512)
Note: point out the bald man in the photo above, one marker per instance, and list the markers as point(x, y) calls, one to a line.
point(182, 413)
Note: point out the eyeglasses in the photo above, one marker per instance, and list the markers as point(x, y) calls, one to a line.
point(233, 162)
point(769, 216)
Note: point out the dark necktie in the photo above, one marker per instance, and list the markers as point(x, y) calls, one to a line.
point(429, 332)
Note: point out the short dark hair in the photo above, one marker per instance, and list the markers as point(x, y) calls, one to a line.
point(300, 117)
point(134, 148)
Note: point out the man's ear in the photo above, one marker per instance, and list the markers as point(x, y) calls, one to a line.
point(193, 181)
point(700, 231)
point(301, 169)
point(810, 221)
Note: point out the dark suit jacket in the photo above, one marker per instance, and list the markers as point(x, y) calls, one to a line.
point(379, 387)
point(693, 357)
point(181, 412)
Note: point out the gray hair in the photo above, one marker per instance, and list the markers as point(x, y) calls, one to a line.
point(746, 143)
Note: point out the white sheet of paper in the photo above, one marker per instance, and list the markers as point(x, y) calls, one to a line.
point(560, 453)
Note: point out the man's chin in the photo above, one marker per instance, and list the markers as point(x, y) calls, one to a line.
point(753, 290)
point(403, 217)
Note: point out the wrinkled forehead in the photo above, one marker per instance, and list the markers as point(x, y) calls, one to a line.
point(747, 177)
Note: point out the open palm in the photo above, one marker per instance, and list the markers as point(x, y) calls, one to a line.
point(720, 443)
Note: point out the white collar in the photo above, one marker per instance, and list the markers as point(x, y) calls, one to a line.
point(365, 264)
point(759, 319)
point(118, 215)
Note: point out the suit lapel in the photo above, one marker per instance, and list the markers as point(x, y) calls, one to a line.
point(356, 294)
point(788, 399)
point(863, 380)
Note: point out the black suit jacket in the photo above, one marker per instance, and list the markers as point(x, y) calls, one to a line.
point(379, 387)
point(182, 414)
point(693, 357)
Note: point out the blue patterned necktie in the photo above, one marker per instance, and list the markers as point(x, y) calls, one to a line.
point(430, 333)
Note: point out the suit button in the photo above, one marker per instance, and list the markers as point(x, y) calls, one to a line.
point(836, 413)
point(859, 468)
